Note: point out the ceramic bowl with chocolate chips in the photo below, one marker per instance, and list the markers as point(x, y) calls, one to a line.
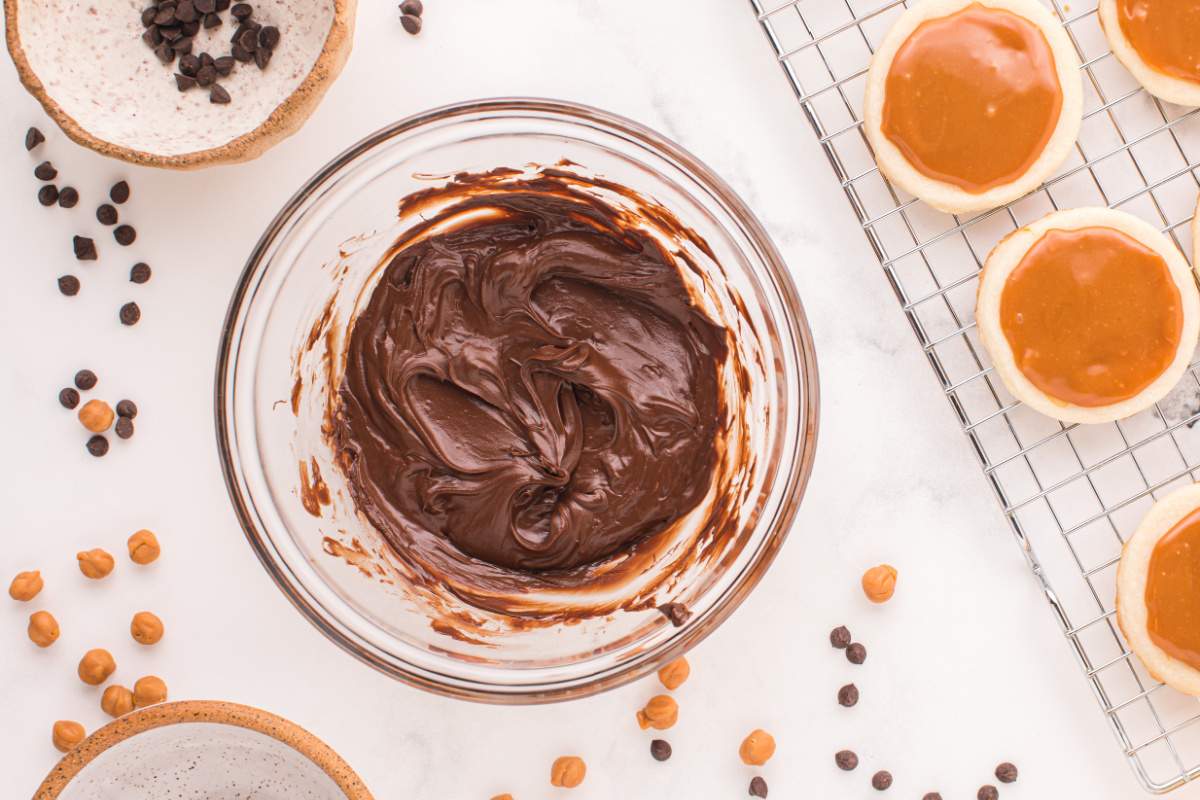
point(516, 400)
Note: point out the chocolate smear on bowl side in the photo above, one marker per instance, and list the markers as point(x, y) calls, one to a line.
point(677, 613)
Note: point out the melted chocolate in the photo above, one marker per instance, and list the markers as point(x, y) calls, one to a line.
point(530, 381)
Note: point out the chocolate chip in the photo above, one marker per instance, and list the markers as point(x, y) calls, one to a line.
point(413, 7)
point(97, 446)
point(183, 82)
point(268, 37)
point(106, 214)
point(223, 5)
point(205, 6)
point(45, 171)
point(848, 695)
point(1006, 772)
point(164, 52)
point(139, 272)
point(839, 637)
point(33, 137)
point(165, 15)
point(660, 749)
point(68, 397)
point(411, 23)
point(931, 796)
point(189, 65)
point(170, 32)
point(68, 197)
point(48, 194)
point(85, 248)
point(211, 21)
point(127, 408)
point(262, 57)
point(242, 11)
point(190, 28)
point(881, 780)
point(224, 65)
point(856, 653)
point(68, 285)
point(124, 427)
point(182, 46)
point(152, 37)
point(248, 39)
point(218, 95)
point(85, 379)
point(148, 15)
point(206, 60)
point(185, 11)
point(119, 192)
point(125, 235)
point(758, 787)
point(678, 613)
point(241, 54)
point(207, 76)
point(987, 792)
point(846, 760)
point(130, 314)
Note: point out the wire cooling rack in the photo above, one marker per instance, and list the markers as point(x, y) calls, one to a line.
point(1072, 494)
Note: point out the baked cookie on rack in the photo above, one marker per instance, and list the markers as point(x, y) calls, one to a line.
point(1089, 314)
point(1158, 590)
point(970, 104)
point(1158, 41)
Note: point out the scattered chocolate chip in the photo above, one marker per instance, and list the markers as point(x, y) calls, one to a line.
point(106, 214)
point(205, 6)
point(932, 796)
point(152, 37)
point(1006, 772)
point(839, 637)
point(170, 33)
point(856, 653)
point(164, 52)
point(758, 787)
point(987, 792)
point(413, 7)
point(125, 235)
point(190, 28)
point(848, 695)
point(48, 194)
point(45, 171)
point(165, 15)
point(881, 780)
point(68, 285)
point(33, 137)
point(148, 15)
point(248, 38)
point(124, 427)
point(223, 5)
point(189, 65)
point(184, 82)
point(268, 37)
point(224, 65)
point(262, 57)
point(241, 11)
point(206, 60)
point(85, 248)
point(241, 54)
point(678, 613)
point(182, 46)
point(130, 314)
point(68, 196)
point(68, 397)
point(85, 379)
point(218, 95)
point(207, 76)
point(97, 446)
point(211, 21)
point(139, 273)
point(411, 23)
point(127, 408)
point(186, 12)
point(660, 749)
point(846, 760)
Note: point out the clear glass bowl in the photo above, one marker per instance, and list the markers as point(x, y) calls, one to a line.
point(324, 238)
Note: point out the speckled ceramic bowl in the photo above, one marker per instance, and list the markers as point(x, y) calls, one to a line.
point(202, 749)
point(108, 91)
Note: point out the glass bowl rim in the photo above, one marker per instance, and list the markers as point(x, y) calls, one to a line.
point(795, 333)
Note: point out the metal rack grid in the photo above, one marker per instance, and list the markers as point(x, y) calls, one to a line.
point(1071, 493)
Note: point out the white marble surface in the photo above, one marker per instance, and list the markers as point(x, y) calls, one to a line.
point(966, 666)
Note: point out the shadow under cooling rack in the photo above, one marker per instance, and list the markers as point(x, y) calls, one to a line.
point(1072, 494)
